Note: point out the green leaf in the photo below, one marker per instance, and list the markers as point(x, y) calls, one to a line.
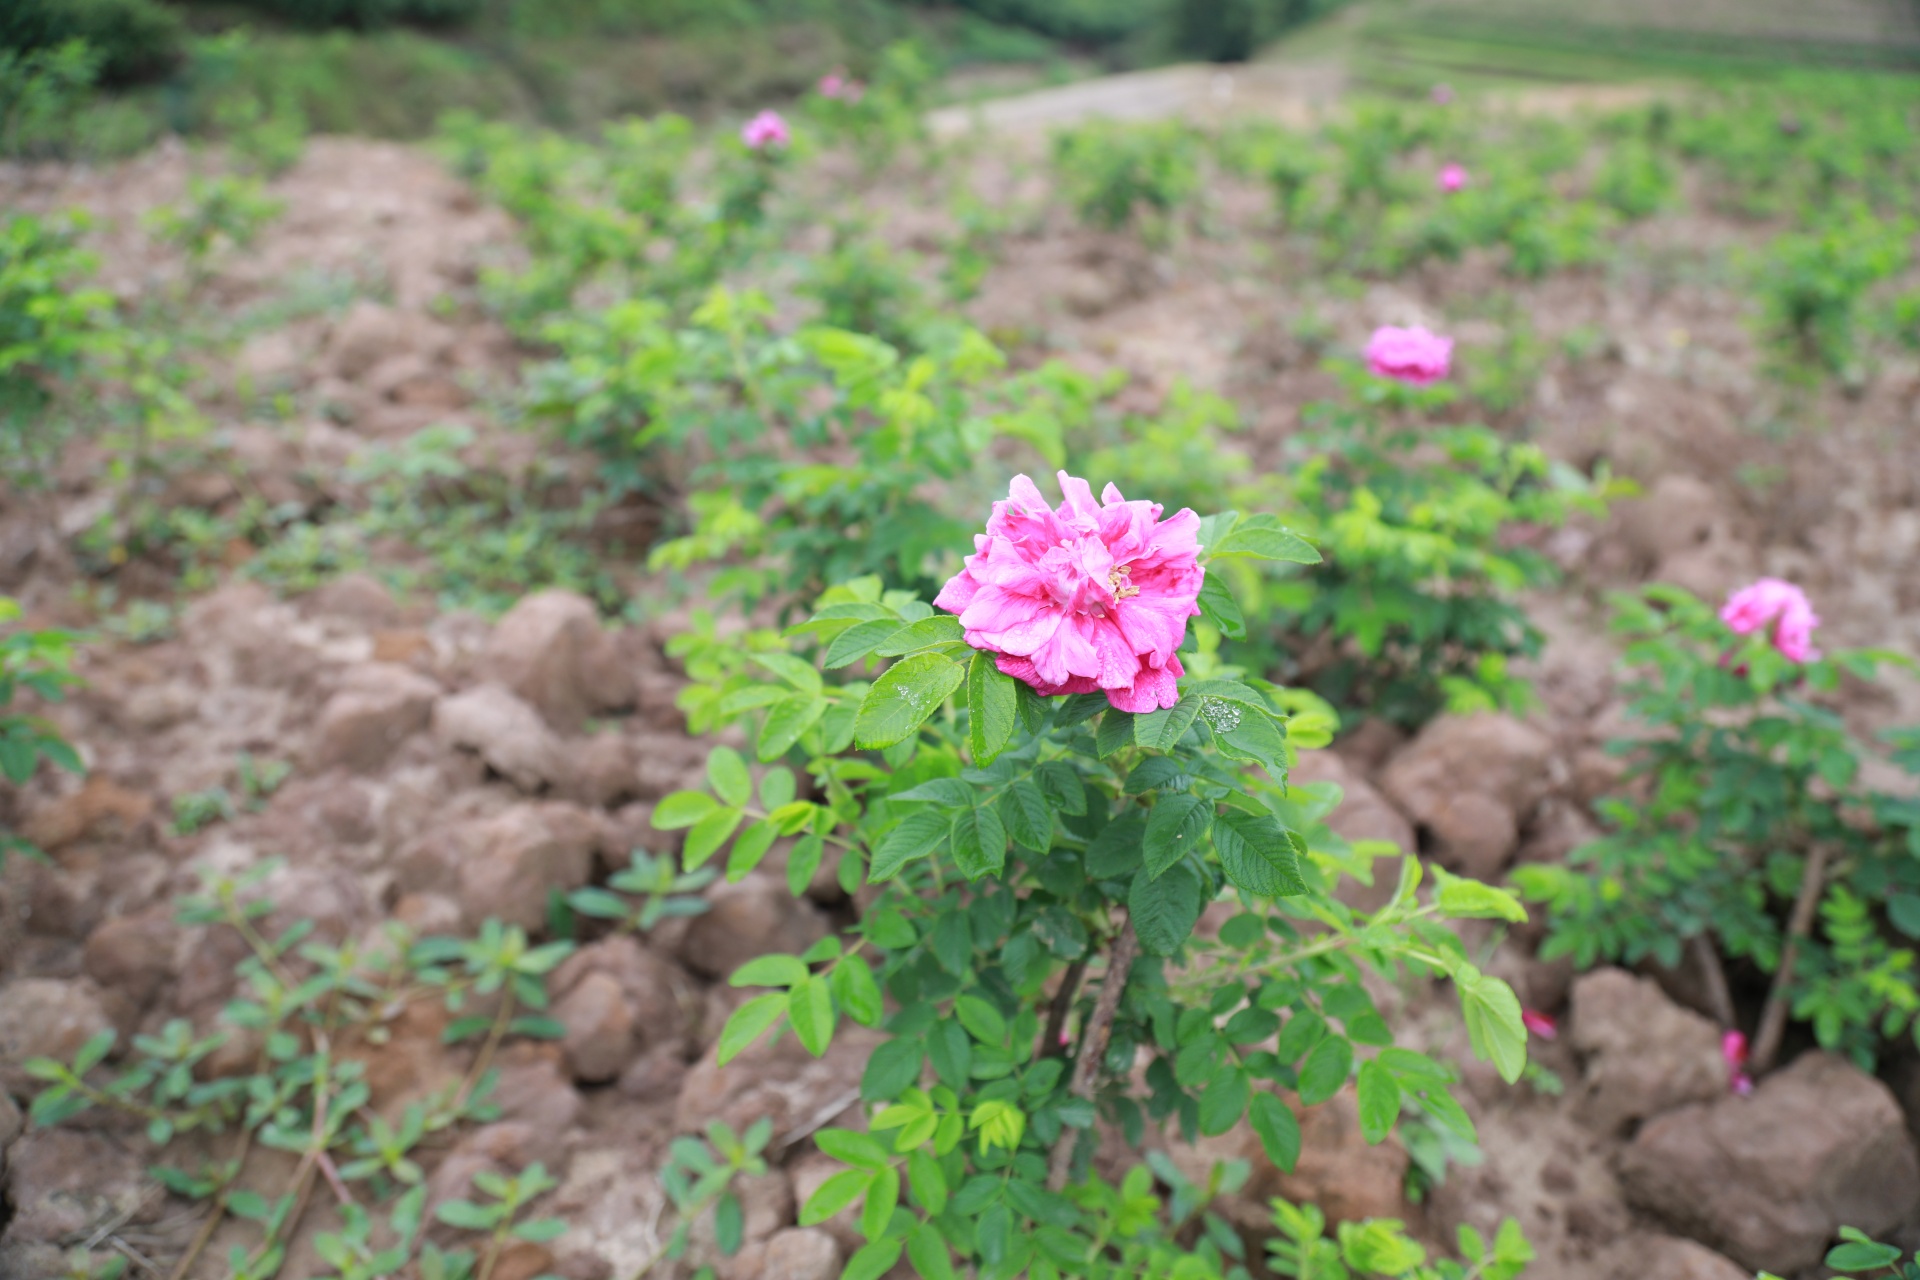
point(802, 862)
point(1218, 606)
point(769, 971)
point(1258, 854)
point(873, 1261)
point(1117, 850)
point(728, 774)
point(541, 1230)
point(981, 1019)
point(455, 1213)
point(747, 1022)
point(1162, 730)
point(810, 1009)
point(927, 1251)
point(859, 995)
point(993, 709)
point(1325, 1070)
point(1176, 827)
point(1461, 899)
point(916, 836)
point(882, 1197)
point(1262, 537)
point(1223, 1102)
point(1249, 733)
point(707, 835)
point(1029, 820)
point(794, 671)
point(861, 1150)
point(786, 721)
point(1859, 1252)
point(94, 1051)
point(1116, 732)
point(857, 641)
point(749, 849)
point(682, 809)
point(927, 1182)
point(833, 1195)
point(1164, 909)
point(892, 1069)
point(1379, 1101)
point(903, 697)
point(1494, 1027)
point(1277, 1129)
point(941, 628)
point(979, 842)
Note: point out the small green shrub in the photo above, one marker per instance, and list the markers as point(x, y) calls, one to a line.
point(54, 330)
point(225, 211)
point(1115, 175)
point(1812, 285)
point(41, 663)
point(133, 39)
point(41, 95)
point(1746, 797)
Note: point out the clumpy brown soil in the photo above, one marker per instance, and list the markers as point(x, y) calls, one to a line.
point(447, 769)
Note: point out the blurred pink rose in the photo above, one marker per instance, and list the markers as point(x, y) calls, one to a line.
point(766, 130)
point(1413, 356)
point(1785, 606)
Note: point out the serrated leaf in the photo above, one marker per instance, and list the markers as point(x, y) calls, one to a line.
point(892, 1069)
point(858, 641)
point(915, 836)
point(1379, 1095)
point(1164, 910)
point(1461, 899)
point(787, 721)
point(1223, 1102)
point(1176, 827)
point(941, 628)
point(1115, 733)
point(1262, 537)
point(863, 1151)
point(1494, 1026)
point(1277, 1129)
point(1027, 817)
point(984, 1022)
point(857, 991)
point(979, 842)
point(1162, 730)
point(993, 709)
point(1117, 850)
point(1258, 854)
point(749, 849)
point(903, 697)
point(1218, 606)
point(1325, 1070)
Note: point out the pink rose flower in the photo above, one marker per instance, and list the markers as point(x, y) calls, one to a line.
point(1540, 1024)
point(1452, 178)
point(766, 129)
point(1772, 600)
point(831, 84)
point(1413, 356)
point(1083, 599)
point(1443, 94)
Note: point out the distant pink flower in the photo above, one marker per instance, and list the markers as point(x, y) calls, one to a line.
point(1452, 178)
point(1541, 1024)
point(840, 86)
point(764, 130)
point(1413, 356)
point(1082, 599)
point(1733, 1051)
point(1785, 606)
point(1443, 94)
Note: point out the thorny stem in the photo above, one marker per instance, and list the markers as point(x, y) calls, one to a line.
point(1050, 1043)
point(1093, 1044)
point(1773, 1017)
point(1715, 977)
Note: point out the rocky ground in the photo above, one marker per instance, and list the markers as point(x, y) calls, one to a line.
point(447, 770)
